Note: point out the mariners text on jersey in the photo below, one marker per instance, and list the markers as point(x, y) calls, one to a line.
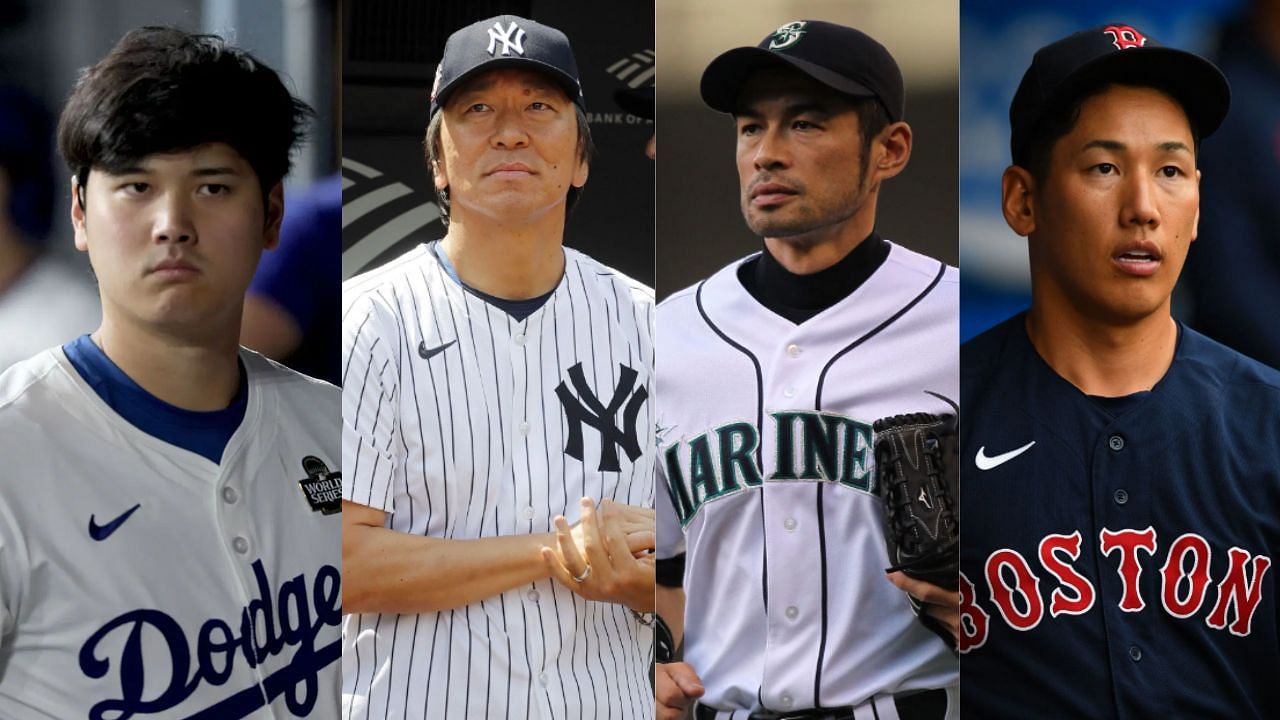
point(1130, 539)
point(765, 436)
point(141, 580)
point(462, 422)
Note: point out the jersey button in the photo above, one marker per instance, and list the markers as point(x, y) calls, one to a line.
point(240, 545)
point(519, 339)
point(527, 513)
point(789, 524)
point(1116, 443)
point(533, 595)
point(793, 350)
point(792, 612)
point(1135, 653)
point(229, 495)
point(542, 678)
point(1121, 497)
point(523, 427)
point(786, 700)
point(789, 392)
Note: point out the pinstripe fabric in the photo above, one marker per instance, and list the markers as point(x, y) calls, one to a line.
point(471, 442)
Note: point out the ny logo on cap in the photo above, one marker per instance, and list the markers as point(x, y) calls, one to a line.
point(512, 38)
point(787, 35)
point(1125, 37)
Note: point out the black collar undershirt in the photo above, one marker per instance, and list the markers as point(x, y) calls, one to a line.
point(800, 297)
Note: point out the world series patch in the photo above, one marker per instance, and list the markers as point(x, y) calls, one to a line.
point(323, 489)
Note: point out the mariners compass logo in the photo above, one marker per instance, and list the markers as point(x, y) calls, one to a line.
point(787, 35)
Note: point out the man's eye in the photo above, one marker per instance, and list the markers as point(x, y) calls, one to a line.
point(477, 107)
point(1105, 168)
point(1171, 171)
point(136, 188)
point(803, 125)
point(539, 105)
point(749, 129)
point(216, 189)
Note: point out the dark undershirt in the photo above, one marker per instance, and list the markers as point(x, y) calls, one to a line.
point(800, 297)
point(518, 309)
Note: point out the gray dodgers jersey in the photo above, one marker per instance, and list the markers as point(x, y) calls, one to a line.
point(765, 455)
point(462, 422)
point(218, 597)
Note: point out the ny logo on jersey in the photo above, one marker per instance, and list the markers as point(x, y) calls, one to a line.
point(512, 38)
point(587, 408)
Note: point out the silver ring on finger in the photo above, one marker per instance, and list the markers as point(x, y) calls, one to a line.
point(585, 574)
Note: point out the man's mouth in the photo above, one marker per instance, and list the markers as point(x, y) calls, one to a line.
point(771, 193)
point(1141, 259)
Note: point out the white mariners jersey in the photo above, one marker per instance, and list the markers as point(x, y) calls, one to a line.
point(140, 580)
point(462, 422)
point(765, 452)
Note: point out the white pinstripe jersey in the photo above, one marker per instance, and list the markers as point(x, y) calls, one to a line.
point(140, 580)
point(765, 455)
point(461, 422)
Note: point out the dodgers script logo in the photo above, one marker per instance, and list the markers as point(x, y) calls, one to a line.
point(271, 625)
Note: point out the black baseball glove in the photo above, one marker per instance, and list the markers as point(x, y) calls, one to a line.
point(918, 478)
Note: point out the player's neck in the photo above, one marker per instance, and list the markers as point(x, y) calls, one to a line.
point(1100, 358)
point(510, 263)
point(189, 375)
point(819, 249)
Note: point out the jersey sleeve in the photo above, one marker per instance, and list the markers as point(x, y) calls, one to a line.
point(370, 395)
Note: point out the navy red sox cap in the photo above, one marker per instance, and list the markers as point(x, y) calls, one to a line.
point(505, 41)
point(1062, 70)
point(839, 57)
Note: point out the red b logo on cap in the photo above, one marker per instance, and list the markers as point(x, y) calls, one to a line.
point(1125, 37)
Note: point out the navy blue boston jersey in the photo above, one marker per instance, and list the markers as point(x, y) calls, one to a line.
point(1117, 552)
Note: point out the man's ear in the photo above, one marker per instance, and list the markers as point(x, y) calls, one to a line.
point(274, 216)
point(580, 173)
point(1017, 195)
point(893, 150)
point(77, 214)
point(1195, 224)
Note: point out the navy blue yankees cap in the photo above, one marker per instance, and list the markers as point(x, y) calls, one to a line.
point(839, 57)
point(504, 41)
point(1062, 70)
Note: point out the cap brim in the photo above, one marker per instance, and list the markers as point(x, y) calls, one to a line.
point(1194, 82)
point(723, 79)
point(566, 81)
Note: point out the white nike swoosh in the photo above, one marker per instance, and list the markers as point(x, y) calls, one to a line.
point(986, 463)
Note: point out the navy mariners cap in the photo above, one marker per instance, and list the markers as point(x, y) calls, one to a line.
point(505, 41)
point(1061, 71)
point(839, 57)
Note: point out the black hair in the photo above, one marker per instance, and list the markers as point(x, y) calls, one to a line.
point(162, 89)
point(1056, 123)
point(431, 146)
point(872, 118)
